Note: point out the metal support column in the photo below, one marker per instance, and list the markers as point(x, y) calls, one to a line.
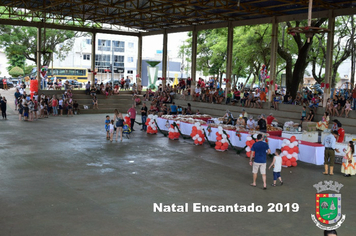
point(93, 49)
point(329, 56)
point(164, 59)
point(38, 62)
point(139, 62)
point(194, 60)
point(273, 65)
point(230, 40)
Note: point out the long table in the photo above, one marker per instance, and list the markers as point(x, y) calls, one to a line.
point(308, 152)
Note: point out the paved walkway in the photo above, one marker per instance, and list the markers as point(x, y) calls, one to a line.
point(60, 176)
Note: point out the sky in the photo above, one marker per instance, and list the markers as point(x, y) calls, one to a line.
point(150, 44)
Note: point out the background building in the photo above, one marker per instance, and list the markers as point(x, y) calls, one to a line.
point(117, 49)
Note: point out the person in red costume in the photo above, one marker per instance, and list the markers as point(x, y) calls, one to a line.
point(341, 133)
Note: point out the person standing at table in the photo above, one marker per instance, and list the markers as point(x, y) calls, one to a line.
point(262, 124)
point(251, 124)
point(270, 119)
point(258, 153)
point(341, 133)
point(329, 153)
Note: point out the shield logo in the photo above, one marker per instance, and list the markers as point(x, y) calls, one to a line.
point(328, 208)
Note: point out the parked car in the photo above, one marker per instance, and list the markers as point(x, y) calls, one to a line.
point(116, 81)
point(9, 83)
point(168, 82)
point(73, 83)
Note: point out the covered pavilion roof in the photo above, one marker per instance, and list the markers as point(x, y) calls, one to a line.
point(156, 15)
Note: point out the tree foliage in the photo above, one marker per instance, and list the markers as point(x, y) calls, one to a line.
point(252, 49)
point(342, 49)
point(16, 71)
point(20, 43)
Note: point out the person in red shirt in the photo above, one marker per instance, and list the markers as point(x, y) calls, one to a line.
point(132, 114)
point(4, 83)
point(341, 133)
point(199, 82)
point(270, 118)
point(202, 83)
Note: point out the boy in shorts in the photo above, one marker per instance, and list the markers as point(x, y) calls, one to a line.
point(277, 167)
point(107, 127)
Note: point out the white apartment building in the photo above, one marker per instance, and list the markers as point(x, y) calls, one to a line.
point(118, 49)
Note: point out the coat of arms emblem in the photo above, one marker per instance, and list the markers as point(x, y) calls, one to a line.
point(328, 206)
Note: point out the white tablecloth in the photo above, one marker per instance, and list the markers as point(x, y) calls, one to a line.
point(309, 153)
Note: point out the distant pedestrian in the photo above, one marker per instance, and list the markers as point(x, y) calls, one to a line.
point(127, 83)
point(132, 114)
point(258, 153)
point(144, 117)
point(3, 104)
point(87, 88)
point(4, 83)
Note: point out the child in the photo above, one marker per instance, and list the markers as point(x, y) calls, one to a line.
point(26, 110)
point(60, 106)
point(20, 109)
point(107, 123)
point(277, 161)
point(111, 130)
point(304, 114)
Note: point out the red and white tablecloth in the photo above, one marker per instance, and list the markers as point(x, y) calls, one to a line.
point(308, 152)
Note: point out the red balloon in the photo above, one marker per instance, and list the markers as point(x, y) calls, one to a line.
point(293, 159)
point(286, 148)
point(248, 154)
point(296, 149)
point(284, 158)
point(290, 151)
point(225, 144)
point(294, 164)
point(293, 138)
point(288, 163)
point(283, 163)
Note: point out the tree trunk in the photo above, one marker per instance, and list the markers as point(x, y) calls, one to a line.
point(248, 78)
point(299, 68)
point(333, 76)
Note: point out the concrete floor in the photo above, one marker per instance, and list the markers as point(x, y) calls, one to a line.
point(60, 176)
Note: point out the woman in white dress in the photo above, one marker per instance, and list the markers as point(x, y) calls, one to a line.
point(348, 165)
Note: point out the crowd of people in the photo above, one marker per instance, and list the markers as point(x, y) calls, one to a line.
point(42, 106)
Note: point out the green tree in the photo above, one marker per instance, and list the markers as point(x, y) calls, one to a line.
point(296, 55)
point(16, 71)
point(21, 42)
point(344, 33)
point(16, 60)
